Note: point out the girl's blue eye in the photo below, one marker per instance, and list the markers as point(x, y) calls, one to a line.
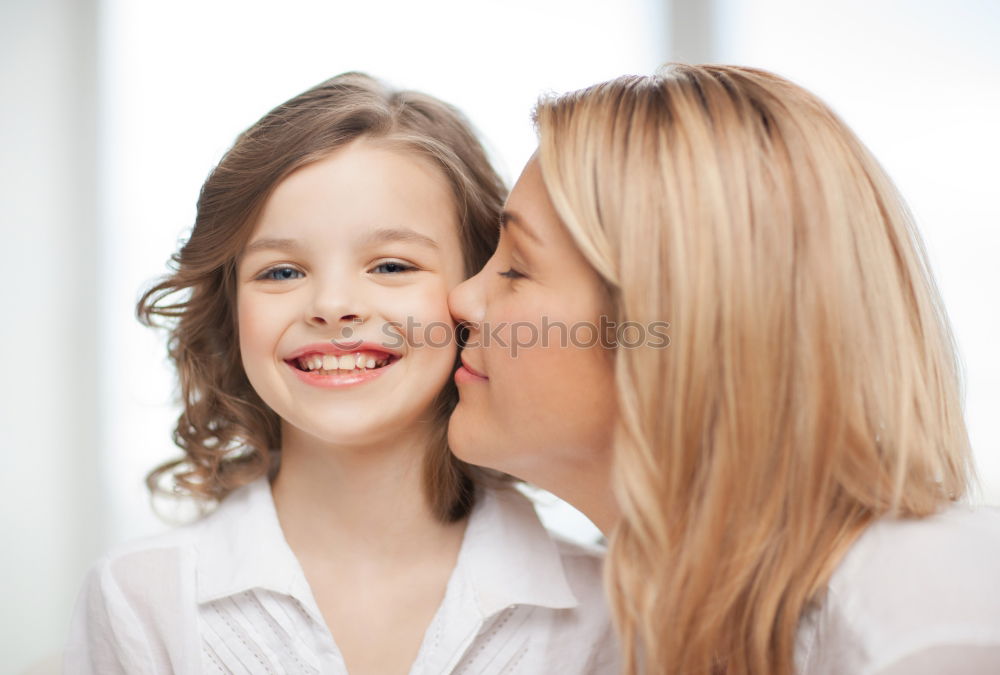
point(267, 274)
point(393, 267)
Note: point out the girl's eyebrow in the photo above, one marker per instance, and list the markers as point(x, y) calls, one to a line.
point(274, 244)
point(405, 234)
point(380, 236)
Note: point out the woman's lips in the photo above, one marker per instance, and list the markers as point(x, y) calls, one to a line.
point(338, 380)
point(467, 374)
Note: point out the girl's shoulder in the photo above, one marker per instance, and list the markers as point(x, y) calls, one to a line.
point(911, 586)
point(507, 519)
point(520, 512)
point(168, 544)
point(143, 572)
point(160, 566)
point(137, 608)
point(511, 559)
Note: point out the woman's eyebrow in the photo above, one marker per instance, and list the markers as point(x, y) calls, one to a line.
point(512, 218)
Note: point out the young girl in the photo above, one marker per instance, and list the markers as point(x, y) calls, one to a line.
point(314, 357)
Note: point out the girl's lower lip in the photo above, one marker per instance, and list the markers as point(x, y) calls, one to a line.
point(339, 380)
point(463, 374)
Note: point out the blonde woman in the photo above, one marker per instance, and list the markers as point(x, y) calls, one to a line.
point(711, 326)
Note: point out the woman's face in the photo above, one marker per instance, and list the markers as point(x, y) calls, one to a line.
point(537, 386)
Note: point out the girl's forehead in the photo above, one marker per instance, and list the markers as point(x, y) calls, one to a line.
point(346, 193)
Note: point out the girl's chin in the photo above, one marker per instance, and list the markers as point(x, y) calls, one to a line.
point(348, 429)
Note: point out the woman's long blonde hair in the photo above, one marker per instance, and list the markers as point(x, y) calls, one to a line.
point(811, 383)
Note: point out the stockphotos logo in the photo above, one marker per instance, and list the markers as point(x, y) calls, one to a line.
point(519, 335)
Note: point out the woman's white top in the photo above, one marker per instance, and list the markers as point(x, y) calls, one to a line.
point(226, 594)
point(911, 597)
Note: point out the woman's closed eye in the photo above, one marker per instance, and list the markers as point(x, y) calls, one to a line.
point(511, 273)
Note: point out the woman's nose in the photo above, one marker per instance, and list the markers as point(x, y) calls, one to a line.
point(465, 302)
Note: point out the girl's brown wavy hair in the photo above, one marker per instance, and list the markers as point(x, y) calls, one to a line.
point(811, 384)
point(228, 434)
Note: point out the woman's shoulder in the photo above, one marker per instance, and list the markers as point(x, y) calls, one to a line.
point(952, 551)
point(911, 585)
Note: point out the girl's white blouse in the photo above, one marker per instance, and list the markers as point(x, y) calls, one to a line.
point(911, 597)
point(226, 594)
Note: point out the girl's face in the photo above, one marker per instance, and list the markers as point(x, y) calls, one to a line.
point(536, 387)
point(349, 267)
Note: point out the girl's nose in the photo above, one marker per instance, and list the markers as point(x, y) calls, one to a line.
point(348, 318)
point(336, 304)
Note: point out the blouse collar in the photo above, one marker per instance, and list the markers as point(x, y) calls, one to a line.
point(507, 557)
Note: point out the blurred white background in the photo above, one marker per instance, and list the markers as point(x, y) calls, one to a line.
point(114, 112)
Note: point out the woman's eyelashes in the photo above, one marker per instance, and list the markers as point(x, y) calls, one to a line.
point(506, 250)
point(511, 273)
point(514, 268)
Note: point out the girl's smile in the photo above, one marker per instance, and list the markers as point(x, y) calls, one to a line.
point(329, 365)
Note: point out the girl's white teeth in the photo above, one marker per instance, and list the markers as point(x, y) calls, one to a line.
point(332, 362)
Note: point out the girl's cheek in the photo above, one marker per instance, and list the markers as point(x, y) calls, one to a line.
point(426, 303)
